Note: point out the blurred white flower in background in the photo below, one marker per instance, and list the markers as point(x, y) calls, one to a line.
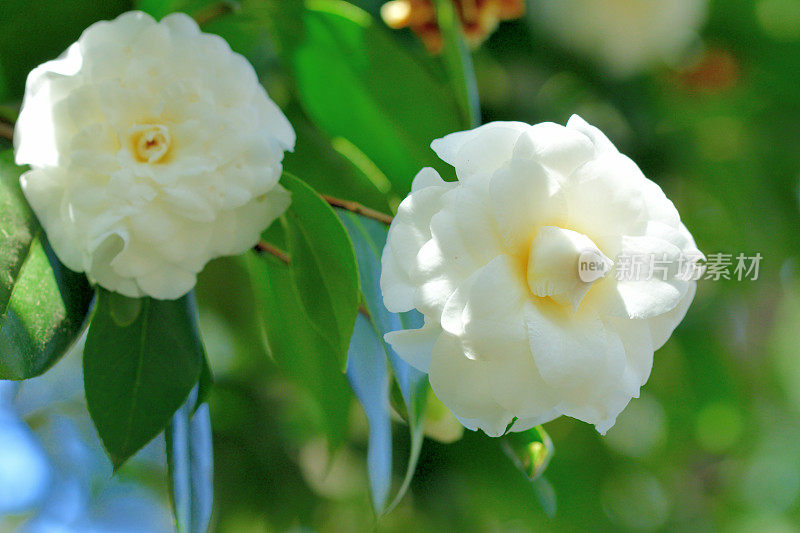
point(153, 149)
point(625, 36)
point(514, 334)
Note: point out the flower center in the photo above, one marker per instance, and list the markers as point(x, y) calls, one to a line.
point(150, 143)
point(563, 264)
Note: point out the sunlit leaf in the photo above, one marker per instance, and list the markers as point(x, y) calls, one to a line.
point(323, 265)
point(369, 237)
point(141, 360)
point(42, 303)
point(458, 63)
point(368, 372)
point(357, 83)
point(190, 463)
point(317, 158)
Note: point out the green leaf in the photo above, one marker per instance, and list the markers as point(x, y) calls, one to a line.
point(546, 495)
point(296, 345)
point(323, 265)
point(318, 158)
point(225, 300)
point(43, 304)
point(458, 63)
point(281, 20)
point(356, 82)
point(369, 238)
point(204, 384)
point(190, 463)
point(530, 450)
point(160, 8)
point(35, 31)
point(138, 368)
point(368, 372)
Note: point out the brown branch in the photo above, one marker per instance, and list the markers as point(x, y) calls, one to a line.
point(6, 130)
point(264, 246)
point(356, 207)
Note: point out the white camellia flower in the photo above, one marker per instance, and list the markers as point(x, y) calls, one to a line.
point(626, 36)
point(517, 331)
point(153, 149)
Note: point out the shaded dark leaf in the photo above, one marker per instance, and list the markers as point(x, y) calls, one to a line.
point(138, 371)
point(43, 304)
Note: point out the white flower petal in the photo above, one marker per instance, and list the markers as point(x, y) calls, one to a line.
point(573, 353)
point(410, 229)
point(638, 342)
point(523, 196)
point(493, 260)
point(396, 287)
point(598, 138)
point(462, 384)
point(486, 310)
point(559, 148)
point(414, 346)
point(168, 283)
point(604, 197)
point(651, 291)
point(181, 24)
point(662, 326)
point(153, 150)
point(480, 150)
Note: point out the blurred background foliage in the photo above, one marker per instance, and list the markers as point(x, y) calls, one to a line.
point(712, 444)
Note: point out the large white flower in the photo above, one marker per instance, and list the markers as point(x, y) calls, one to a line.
point(514, 333)
point(625, 36)
point(153, 149)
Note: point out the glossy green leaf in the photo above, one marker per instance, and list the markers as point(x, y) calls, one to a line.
point(356, 82)
point(297, 347)
point(335, 167)
point(458, 63)
point(42, 303)
point(369, 237)
point(323, 265)
point(368, 373)
point(138, 368)
point(530, 450)
point(190, 463)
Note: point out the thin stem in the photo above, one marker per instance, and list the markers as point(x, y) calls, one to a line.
point(356, 207)
point(6, 130)
point(264, 246)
